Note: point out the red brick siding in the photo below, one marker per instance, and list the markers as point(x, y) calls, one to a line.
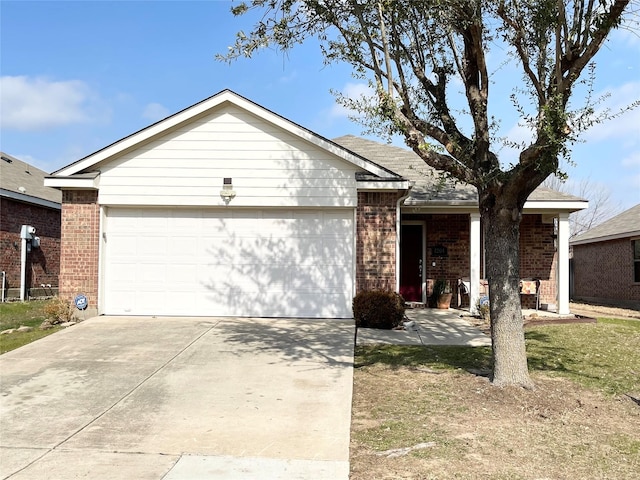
point(80, 243)
point(603, 272)
point(43, 264)
point(538, 258)
point(450, 231)
point(537, 252)
point(376, 241)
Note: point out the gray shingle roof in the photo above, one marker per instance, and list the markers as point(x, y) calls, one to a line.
point(428, 187)
point(22, 181)
point(626, 224)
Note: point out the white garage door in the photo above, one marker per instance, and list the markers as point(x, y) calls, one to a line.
point(268, 263)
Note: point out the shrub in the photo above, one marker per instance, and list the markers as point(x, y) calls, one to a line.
point(378, 309)
point(58, 310)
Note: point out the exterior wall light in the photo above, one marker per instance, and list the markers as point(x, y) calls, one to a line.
point(227, 193)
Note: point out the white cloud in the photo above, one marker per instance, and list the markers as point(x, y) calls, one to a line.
point(625, 126)
point(353, 91)
point(631, 161)
point(37, 103)
point(292, 77)
point(155, 112)
point(519, 134)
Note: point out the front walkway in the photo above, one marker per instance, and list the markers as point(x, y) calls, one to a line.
point(431, 327)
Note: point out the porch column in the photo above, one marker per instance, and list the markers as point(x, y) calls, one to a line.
point(563, 264)
point(474, 261)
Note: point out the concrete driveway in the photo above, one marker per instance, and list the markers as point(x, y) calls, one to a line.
point(180, 398)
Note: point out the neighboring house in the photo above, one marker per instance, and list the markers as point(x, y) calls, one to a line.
point(226, 208)
point(606, 261)
point(24, 200)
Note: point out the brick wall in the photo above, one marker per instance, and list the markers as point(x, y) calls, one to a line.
point(450, 231)
point(376, 241)
point(80, 243)
point(538, 258)
point(537, 252)
point(603, 272)
point(43, 264)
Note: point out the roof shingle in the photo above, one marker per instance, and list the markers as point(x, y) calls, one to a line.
point(429, 186)
point(25, 180)
point(626, 224)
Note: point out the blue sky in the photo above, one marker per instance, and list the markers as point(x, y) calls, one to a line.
point(77, 76)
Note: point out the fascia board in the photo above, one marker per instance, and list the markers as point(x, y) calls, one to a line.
point(72, 182)
point(554, 206)
point(377, 185)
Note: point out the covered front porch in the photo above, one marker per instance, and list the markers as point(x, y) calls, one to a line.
point(447, 244)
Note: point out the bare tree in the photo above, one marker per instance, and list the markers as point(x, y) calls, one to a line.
point(412, 52)
point(601, 205)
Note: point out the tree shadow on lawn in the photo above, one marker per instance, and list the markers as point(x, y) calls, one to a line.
point(545, 356)
point(542, 356)
point(475, 360)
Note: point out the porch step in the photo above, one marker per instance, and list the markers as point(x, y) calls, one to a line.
point(415, 305)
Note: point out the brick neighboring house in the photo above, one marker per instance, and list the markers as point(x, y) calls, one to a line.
point(226, 208)
point(24, 200)
point(606, 261)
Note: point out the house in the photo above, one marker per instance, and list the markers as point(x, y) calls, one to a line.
point(226, 208)
point(606, 261)
point(24, 200)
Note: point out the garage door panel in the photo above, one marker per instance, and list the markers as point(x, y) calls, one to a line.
point(229, 262)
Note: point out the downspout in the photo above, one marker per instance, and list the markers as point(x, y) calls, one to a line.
point(4, 276)
point(23, 269)
point(26, 235)
point(398, 230)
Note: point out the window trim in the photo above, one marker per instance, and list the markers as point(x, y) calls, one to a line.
point(634, 260)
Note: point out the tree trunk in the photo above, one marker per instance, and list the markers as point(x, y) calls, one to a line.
point(501, 221)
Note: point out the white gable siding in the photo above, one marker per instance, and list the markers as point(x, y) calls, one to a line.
point(269, 167)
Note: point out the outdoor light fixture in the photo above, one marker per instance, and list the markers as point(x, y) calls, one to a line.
point(227, 193)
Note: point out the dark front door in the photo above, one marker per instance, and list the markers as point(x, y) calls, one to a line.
point(411, 263)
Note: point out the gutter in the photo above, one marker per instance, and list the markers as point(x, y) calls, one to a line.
point(398, 230)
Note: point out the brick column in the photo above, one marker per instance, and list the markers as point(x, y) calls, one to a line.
point(79, 246)
point(376, 241)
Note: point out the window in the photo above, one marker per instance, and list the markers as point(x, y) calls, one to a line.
point(636, 260)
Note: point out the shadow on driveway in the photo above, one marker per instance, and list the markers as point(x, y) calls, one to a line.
point(139, 397)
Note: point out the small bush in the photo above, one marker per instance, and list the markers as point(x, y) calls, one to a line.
point(58, 310)
point(378, 309)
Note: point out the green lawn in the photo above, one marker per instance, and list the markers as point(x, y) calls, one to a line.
point(604, 355)
point(15, 314)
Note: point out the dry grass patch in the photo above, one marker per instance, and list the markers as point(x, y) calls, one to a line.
point(575, 424)
point(558, 431)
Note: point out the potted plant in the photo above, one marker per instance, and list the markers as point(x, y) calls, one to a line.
point(442, 294)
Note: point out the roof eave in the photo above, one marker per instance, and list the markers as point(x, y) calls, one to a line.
point(546, 206)
point(605, 238)
point(78, 182)
point(383, 185)
point(21, 197)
